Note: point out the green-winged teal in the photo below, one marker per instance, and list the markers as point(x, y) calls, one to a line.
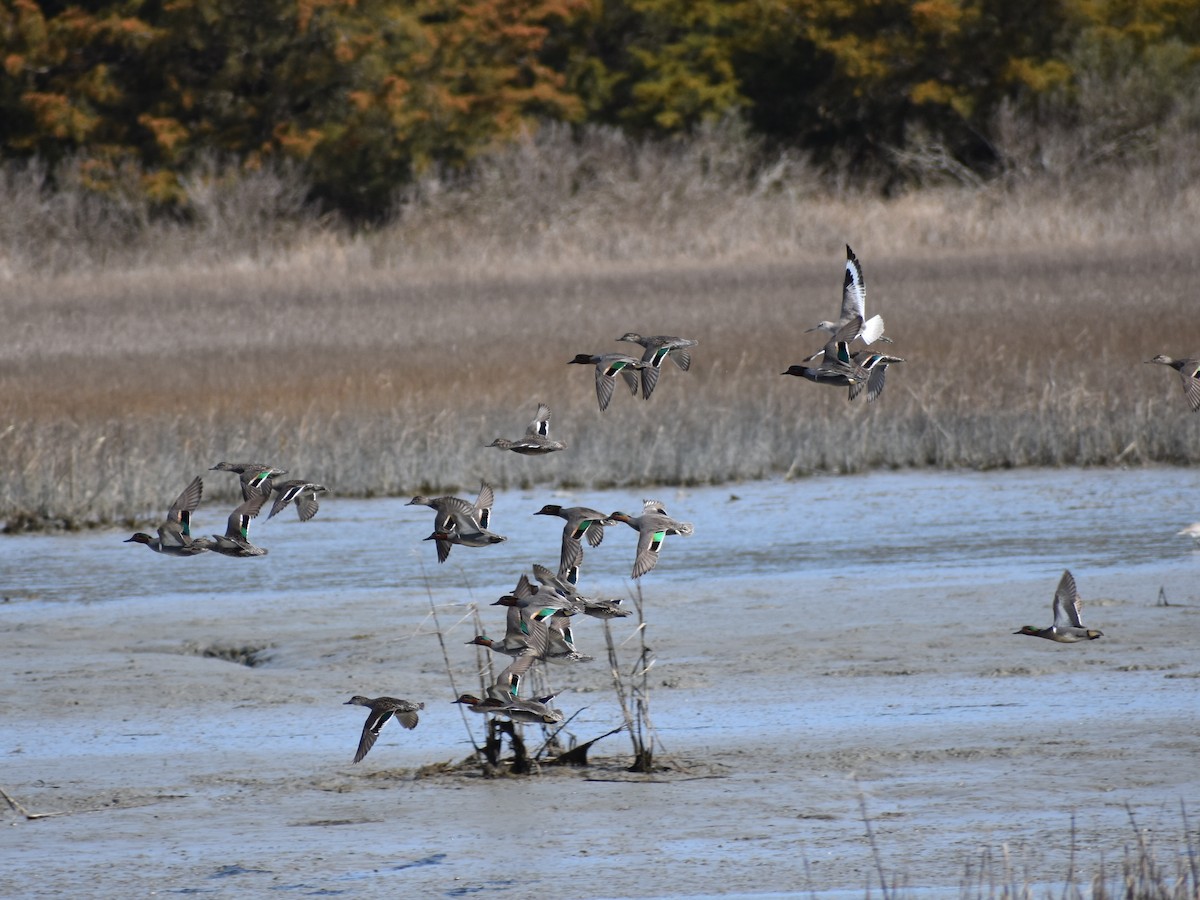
point(253, 476)
point(580, 521)
point(532, 712)
point(658, 347)
point(854, 302)
point(522, 631)
point(543, 616)
point(529, 711)
point(546, 603)
point(236, 539)
point(1189, 374)
point(537, 437)
point(175, 534)
point(541, 630)
point(517, 646)
point(453, 514)
point(599, 608)
point(481, 705)
point(478, 538)
point(1068, 626)
point(652, 526)
point(875, 365)
point(836, 367)
point(568, 590)
point(508, 682)
point(560, 648)
point(608, 367)
point(541, 604)
point(382, 709)
point(302, 493)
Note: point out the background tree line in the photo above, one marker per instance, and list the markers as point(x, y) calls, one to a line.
point(363, 95)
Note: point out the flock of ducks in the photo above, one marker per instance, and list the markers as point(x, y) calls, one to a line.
point(538, 619)
point(540, 613)
point(839, 365)
point(175, 536)
point(610, 365)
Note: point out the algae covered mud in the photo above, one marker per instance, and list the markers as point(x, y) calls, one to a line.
point(830, 654)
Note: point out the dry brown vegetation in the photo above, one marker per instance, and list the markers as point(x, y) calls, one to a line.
point(382, 362)
point(1141, 873)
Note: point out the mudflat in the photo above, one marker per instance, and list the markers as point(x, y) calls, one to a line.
point(796, 714)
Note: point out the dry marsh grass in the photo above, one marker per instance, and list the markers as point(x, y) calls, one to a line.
point(1152, 867)
point(381, 363)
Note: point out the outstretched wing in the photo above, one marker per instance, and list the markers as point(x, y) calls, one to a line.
point(540, 425)
point(287, 493)
point(854, 288)
point(875, 382)
point(572, 550)
point(1191, 383)
point(238, 525)
point(370, 732)
point(307, 506)
point(604, 386)
point(1067, 603)
point(484, 503)
point(649, 379)
point(650, 541)
point(185, 504)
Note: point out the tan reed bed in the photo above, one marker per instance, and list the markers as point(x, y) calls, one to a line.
point(118, 387)
point(380, 363)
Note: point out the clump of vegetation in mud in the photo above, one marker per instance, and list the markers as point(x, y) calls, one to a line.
point(632, 687)
point(251, 655)
point(557, 745)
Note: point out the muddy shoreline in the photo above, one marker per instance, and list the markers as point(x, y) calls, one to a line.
point(795, 704)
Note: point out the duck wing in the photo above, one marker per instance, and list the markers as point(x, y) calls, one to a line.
point(238, 525)
point(307, 505)
point(370, 732)
point(649, 375)
point(483, 504)
point(540, 426)
point(604, 386)
point(1067, 604)
point(651, 535)
point(184, 505)
point(1189, 373)
point(854, 288)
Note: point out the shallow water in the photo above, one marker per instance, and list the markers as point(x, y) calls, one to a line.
point(924, 528)
point(819, 644)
